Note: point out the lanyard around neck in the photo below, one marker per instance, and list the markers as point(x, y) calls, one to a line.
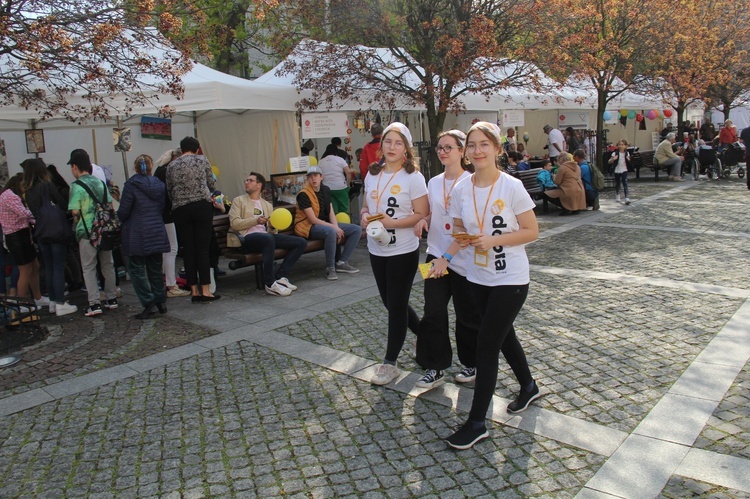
point(480, 221)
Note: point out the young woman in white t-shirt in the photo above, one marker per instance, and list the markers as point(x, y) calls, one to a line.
point(434, 352)
point(496, 211)
point(397, 191)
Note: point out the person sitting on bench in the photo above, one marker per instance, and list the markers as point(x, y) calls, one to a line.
point(249, 216)
point(315, 220)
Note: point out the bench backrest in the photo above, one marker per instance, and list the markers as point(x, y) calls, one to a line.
point(221, 227)
point(528, 177)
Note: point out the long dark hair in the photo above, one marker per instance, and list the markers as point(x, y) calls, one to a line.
point(461, 143)
point(34, 172)
point(410, 166)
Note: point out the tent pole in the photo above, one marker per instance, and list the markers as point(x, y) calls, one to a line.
point(195, 124)
point(93, 141)
point(123, 152)
point(275, 144)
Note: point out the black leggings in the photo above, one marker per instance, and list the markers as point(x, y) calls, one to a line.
point(434, 344)
point(194, 224)
point(499, 306)
point(394, 276)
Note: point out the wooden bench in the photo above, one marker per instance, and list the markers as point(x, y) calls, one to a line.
point(645, 159)
point(528, 177)
point(240, 260)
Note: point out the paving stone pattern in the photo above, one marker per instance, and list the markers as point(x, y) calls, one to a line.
point(247, 422)
point(728, 429)
point(691, 258)
point(679, 487)
point(606, 355)
point(78, 345)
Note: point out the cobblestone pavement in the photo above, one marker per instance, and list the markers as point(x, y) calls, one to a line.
point(247, 397)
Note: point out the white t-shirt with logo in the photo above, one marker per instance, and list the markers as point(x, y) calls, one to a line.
point(441, 223)
point(257, 211)
point(505, 265)
point(396, 192)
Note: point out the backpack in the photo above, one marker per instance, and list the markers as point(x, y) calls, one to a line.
point(597, 178)
point(106, 233)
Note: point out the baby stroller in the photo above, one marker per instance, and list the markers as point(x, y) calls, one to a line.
point(731, 157)
point(710, 164)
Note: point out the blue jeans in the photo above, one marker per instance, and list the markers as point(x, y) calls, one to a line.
point(266, 244)
point(328, 234)
point(148, 283)
point(54, 256)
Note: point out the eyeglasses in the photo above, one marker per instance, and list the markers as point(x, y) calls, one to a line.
point(396, 144)
point(483, 147)
point(248, 180)
point(446, 149)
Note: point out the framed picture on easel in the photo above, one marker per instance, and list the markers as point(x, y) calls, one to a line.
point(35, 141)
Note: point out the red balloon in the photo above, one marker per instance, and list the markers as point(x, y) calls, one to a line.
point(639, 117)
point(667, 113)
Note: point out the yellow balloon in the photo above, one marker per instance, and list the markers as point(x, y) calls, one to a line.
point(215, 170)
point(343, 218)
point(281, 218)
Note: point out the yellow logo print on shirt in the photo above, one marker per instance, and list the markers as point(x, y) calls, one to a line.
point(395, 189)
point(497, 207)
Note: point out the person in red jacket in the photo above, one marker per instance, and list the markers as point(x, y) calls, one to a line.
point(727, 135)
point(371, 151)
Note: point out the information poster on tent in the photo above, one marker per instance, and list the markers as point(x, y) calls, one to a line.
point(324, 125)
point(512, 118)
point(299, 164)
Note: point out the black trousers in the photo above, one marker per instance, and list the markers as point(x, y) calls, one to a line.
point(194, 224)
point(394, 276)
point(433, 339)
point(499, 306)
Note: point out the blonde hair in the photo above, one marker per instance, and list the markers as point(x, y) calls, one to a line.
point(564, 157)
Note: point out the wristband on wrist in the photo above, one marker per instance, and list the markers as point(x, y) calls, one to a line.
point(448, 256)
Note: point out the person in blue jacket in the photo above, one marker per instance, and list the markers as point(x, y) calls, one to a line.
point(592, 195)
point(144, 237)
point(545, 183)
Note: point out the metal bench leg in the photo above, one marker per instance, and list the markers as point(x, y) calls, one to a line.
point(545, 206)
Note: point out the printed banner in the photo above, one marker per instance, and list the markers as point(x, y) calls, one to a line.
point(156, 128)
point(324, 125)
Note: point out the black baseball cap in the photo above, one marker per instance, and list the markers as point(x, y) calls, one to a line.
point(79, 157)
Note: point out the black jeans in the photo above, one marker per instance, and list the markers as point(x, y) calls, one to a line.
point(433, 340)
point(499, 306)
point(194, 224)
point(394, 276)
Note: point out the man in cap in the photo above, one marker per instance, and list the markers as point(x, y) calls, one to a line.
point(556, 142)
point(315, 219)
point(83, 206)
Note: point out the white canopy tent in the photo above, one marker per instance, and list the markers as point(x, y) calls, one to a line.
point(242, 125)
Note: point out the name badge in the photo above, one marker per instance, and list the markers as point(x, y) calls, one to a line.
point(481, 258)
point(374, 194)
point(446, 222)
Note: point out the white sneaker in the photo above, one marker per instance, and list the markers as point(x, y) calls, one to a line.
point(627, 201)
point(617, 198)
point(278, 290)
point(385, 374)
point(52, 307)
point(42, 302)
point(65, 309)
point(285, 282)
